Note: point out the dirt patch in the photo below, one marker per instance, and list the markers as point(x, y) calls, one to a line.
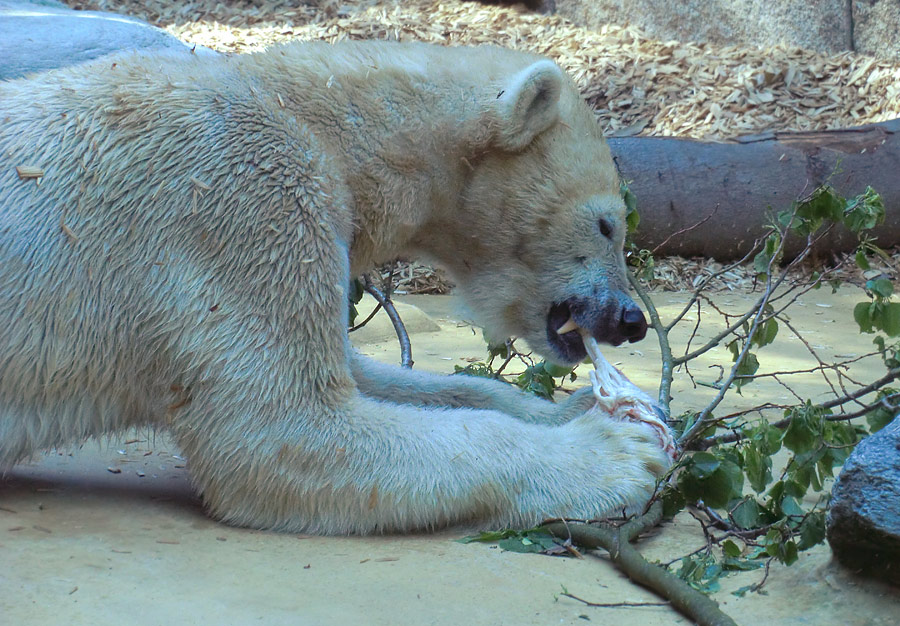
point(82, 545)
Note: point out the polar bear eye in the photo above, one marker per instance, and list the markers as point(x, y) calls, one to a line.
point(606, 228)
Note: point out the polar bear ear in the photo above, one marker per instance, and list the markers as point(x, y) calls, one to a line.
point(528, 105)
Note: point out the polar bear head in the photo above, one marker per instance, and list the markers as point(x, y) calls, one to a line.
point(537, 238)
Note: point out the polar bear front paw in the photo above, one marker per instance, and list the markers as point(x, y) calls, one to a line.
point(610, 466)
point(633, 405)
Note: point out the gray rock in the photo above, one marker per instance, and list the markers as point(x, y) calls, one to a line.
point(824, 25)
point(43, 35)
point(863, 524)
point(876, 24)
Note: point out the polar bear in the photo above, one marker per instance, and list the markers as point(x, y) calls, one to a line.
point(175, 251)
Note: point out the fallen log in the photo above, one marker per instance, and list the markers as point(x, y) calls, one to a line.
point(679, 182)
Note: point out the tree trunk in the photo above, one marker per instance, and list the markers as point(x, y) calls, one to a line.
point(679, 182)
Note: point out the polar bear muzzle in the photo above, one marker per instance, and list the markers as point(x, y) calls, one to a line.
point(610, 317)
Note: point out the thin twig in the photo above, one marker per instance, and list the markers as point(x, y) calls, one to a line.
point(709, 278)
point(704, 419)
point(705, 547)
point(812, 351)
point(765, 577)
point(892, 375)
point(813, 370)
point(885, 402)
point(662, 334)
point(686, 230)
point(611, 605)
point(367, 320)
point(399, 328)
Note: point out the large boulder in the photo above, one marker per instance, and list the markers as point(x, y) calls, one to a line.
point(864, 516)
point(875, 27)
point(824, 26)
point(43, 35)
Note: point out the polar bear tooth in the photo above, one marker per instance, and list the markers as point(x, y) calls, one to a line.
point(569, 326)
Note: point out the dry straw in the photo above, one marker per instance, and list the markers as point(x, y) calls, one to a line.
point(636, 84)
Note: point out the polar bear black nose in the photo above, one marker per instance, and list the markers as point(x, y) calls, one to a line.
point(633, 324)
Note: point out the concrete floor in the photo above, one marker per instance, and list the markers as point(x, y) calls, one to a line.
point(111, 532)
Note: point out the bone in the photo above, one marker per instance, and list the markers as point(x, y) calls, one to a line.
point(614, 391)
point(593, 349)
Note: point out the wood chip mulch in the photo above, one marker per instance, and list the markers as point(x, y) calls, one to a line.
point(637, 85)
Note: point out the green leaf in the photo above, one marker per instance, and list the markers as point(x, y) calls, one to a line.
point(498, 348)
point(741, 565)
point(812, 530)
point(864, 212)
point(765, 437)
point(788, 555)
point(766, 333)
point(536, 380)
point(704, 464)
point(862, 313)
point(735, 348)
point(764, 257)
point(731, 549)
point(519, 544)
point(525, 541)
point(673, 501)
point(714, 480)
point(881, 286)
point(740, 592)
point(772, 542)
point(490, 536)
point(880, 416)
point(748, 367)
point(701, 571)
point(477, 369)
point(757, 467)
point(804, 431)
point(556, 371)
point(889, 320)
point(746, 514)
point(632, 217)
point(794, 489)
point(790, 507)
point(862, 261)
point(823, 204)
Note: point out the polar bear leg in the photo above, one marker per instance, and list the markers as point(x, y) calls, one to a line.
point(373, 466)
point(403, 386)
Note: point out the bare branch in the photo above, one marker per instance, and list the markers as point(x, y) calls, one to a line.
point(662, 334)
point(891, 376)
point(611, 605)
point(890, 402)
point(705, 282)
point(367, 320)
point(399, 328)
point(616, 540)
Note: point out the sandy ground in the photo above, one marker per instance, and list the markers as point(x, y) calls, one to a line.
point(111, 532)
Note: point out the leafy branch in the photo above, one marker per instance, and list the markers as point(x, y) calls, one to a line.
point(771, 521)
point(744, 530)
